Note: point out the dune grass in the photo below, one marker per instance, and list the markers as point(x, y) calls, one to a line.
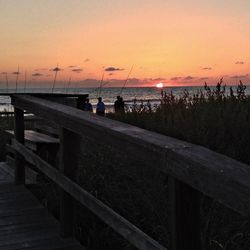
point(210, 118)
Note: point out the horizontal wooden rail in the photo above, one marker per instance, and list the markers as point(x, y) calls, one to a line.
point(130, 232)
point(218, 176)
point(6, 113)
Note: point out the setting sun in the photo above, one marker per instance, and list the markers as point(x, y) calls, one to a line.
point(159, 85)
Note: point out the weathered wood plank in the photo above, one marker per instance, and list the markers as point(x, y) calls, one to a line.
point(184, 216)
point(106, 214)
point(20, 212)
point(19, 135)
point(216, 175)
point(49, 243)
point(46, 129)
point(4, 175)
point(25, 224)
point(36, 137)
point(69, 147)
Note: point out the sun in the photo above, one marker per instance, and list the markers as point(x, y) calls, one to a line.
point(159, 85)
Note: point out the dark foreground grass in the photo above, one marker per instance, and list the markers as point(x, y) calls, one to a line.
point(209, 118)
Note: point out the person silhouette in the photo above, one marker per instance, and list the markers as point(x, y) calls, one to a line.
point(100, 107)
point(88, 106)
point(119, 105)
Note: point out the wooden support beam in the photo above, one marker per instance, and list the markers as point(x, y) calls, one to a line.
point(69, 148)
point(120, 225)
point(19, 135)
point(184, 216)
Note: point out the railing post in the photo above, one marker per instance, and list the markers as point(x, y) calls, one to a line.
point(69, 147)
point(19, 136)
point(184, 216)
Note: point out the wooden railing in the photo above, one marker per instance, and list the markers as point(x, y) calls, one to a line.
point(193, 170)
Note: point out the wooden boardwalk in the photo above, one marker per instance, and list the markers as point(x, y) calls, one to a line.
point(26, 224)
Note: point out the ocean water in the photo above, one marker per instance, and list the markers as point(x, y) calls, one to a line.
point(109, 94)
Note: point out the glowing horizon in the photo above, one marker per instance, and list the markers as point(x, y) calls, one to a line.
point(174, 42)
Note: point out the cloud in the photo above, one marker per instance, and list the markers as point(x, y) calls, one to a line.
point(72, 66)
point(4, 73)
point(113, 69)
point(207, 68)
point(113, 82)
point(159, 79)
point(239, 62)
point(204, 78)
point(16, 73)
point(37, 74)
point(77, 70)
point(176, 78)
point(130, 82)
point(41, 69)
point(239, 76)
point(87, 60)
point(188, 78)
point(56, 69)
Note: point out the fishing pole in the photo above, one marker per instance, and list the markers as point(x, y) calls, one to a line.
point(69, 82)
point(7, 82)
point(17, 74)
point(104, 84)
point(25, 81)
point(54, 83)
point(64, 87)
point(76, 87)
point(126, 79)
point(101, 83)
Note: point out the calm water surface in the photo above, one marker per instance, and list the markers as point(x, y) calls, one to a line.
point(109, 94)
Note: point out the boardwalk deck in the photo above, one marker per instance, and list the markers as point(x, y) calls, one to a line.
point(24, 223)
point(36, 137)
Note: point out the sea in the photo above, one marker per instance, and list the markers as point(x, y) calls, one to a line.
point(129, 94)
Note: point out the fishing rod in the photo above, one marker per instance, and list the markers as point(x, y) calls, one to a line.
point(54, 83)
point(101, 83)
point(25, 81)
point(7, 82)
point(76, 87)
point(69, 82)
point(104, 84)
point(17, 74)
point(126, 79)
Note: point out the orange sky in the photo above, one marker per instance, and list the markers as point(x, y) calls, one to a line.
point(181, 42)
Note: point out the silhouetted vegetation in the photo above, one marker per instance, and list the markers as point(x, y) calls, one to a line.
point(210, 118)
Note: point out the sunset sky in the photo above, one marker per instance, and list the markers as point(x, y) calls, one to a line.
point(177, 42)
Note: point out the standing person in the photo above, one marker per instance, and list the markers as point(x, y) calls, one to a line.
point(119, 105)
point(88, 106)
point(122, 106)
point(100, 107)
